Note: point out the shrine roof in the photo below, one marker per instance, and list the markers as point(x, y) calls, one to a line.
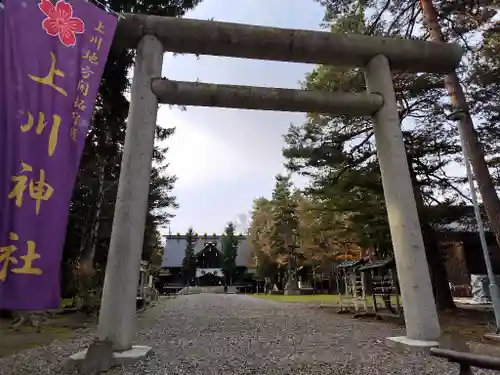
point(352, 263)
point(381, 263)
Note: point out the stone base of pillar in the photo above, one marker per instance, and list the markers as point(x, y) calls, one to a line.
point(292, 292)
point(405, 344)
point(136, 353)
point(232, 290)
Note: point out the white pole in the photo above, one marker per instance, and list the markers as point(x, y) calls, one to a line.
point(493, 286)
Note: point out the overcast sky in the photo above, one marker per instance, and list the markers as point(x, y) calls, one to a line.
point(225, 158)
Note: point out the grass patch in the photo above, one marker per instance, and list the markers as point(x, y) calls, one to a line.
point(330, 299)
point(67, 302)
point(315, 298)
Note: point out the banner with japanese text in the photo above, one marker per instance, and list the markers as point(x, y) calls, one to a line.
point(53, 57)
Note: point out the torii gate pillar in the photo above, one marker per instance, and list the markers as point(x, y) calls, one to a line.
point(116, 328)
point(422, 324)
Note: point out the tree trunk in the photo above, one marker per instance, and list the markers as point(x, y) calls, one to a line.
point(87, 270)
point(281, 284)
point(475, 150)
point(314, 279)
point(94, 234)
point(435, 261)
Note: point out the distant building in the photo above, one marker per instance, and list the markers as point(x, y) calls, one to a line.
point(209, 256)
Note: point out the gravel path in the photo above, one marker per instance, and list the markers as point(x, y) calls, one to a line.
point(235, 334)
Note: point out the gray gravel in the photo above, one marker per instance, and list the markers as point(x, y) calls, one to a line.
point(235, 334)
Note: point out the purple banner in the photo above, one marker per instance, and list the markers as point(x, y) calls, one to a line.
point(53, 56)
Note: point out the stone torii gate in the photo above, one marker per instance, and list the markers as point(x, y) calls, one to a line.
point(153, 35)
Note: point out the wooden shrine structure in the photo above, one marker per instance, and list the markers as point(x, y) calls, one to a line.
point(381, 285)
point(352, 280)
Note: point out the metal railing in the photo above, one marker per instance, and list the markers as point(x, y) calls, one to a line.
point(467, 360)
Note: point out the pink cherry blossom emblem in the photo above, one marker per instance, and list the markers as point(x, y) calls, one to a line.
point(60, 21)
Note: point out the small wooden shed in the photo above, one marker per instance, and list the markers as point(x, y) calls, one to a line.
point(381, 282)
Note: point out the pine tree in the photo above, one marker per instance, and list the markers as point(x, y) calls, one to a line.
point(260, 239)
point(284, 224)
point(230, 251)
point(189, 261)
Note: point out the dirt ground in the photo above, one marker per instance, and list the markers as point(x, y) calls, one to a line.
point(465, 325)
point(60, 327)
point(469, 323)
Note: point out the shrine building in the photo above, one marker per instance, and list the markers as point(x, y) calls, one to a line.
point(209, 257)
